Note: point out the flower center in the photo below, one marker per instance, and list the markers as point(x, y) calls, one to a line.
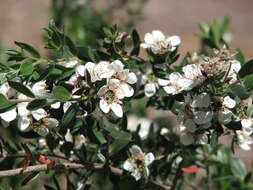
point(109, 96)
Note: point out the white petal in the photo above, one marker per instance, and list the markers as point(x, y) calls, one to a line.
point(229, 102)
point(80, 70)
point(39, 87)
point(149, 158)
point(22, 111)
point(148, 38)
point(56, 105)
point(136, 175)
point(117, 66)
point(235, 66)
point(246, 123)
point(245, 146)
point(24, 123)
point(171, 90)
point(150, 89)
point(127, 90)
point(163, 82)
point(102, 91)
point(39, 114)
point(136, 150)
point(9, 115)
point(146, 171)
point(66, 106)
point(224, 116)
point(174, 40)
point(103, 70)
point(117, 109)
point(104, 106)
point(132, 79)
point(127, 165)
point(158, 35)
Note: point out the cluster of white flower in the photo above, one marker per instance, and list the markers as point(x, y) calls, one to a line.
point(118, 86)
point(159, 44)
point(244, 136)
point(191, 77)
point(195, 116)
point(26, 117)
point(138, 163)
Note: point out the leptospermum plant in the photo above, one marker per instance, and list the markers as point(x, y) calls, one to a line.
point(70, 112)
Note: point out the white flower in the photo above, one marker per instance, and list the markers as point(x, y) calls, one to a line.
point(229, 102)
point(247, 125)
point(125, 76)
point(159, 44)
point(97, 72)
point(39, 87)
point(110, 96)
point(193, 72)
point(9, 93)
point(26, 116)
point(138, 163)
point(150, 89)
point(176, 84)
point(244, 140)
point(133, 122)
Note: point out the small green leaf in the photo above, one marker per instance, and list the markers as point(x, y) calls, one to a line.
point(238, 90)
point(36, 104)
point(26, 68)
point(250, 111)
point(61, 94)
point(21, 88)
point(248, 82)
point(204, 29)
point(240, 57)
point(4, 103)
point(99, 136)
point(246, 69)
point(136, 43)
point(28, 48)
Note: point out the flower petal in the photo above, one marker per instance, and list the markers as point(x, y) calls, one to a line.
point(150, 89)
point(9, 115)
point(24, 123)
point(127, 165)
point(104, 106)
point(39, 114)
point(149, 158)
point(135, 150)
point(127, 90)
point(132, 79)
point(117, 109)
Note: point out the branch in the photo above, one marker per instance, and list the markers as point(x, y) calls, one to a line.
point(69, 166)
point(62, 166)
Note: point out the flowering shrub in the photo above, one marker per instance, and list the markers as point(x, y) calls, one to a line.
point(71, 113)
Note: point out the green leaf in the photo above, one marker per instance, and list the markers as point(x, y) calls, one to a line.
point(71, 45)
point(4, 103)
point(36, 104)
point(136, 43)
point(69, 116)
point(238, 167)
point(28, 48)
point(238, 90)
point(204, 29)
point(26, 68)
point(246, 69)
point(21, 88)
point(93, 55)
point(117, 145)
point(240, 57)
point(250, 111)
point(61, 94)
point(215, 33)
point(248, 82)
point(99, 136)
point(115, 133)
